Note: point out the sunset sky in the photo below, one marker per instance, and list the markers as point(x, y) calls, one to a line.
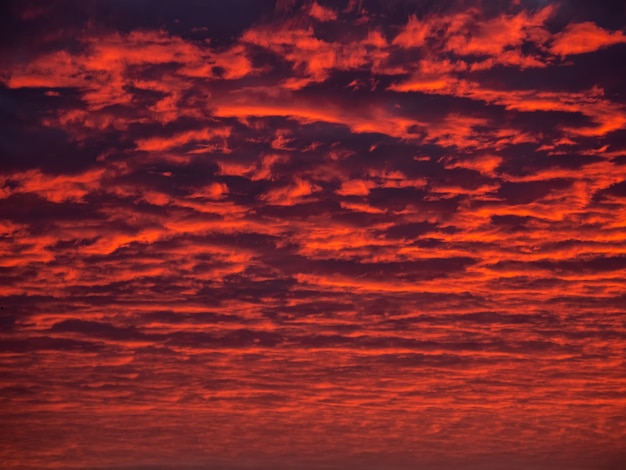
point(313, 235)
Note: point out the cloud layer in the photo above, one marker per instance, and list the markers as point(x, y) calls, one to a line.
point(313, 235)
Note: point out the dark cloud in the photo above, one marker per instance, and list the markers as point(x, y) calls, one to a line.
point(523, 193)
point(99, 330)
point(617, 189)
point(43, 343)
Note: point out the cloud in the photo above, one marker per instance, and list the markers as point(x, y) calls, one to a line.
point(483, 42)
point(392, 221)
point(321, 13)
point(580, 38)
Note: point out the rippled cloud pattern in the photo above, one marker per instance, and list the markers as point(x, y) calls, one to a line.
point(320, 235)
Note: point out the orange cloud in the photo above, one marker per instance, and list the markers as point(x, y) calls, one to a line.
point(105, 69)
point(322, 13)
point(264, 103)
point(469, 34)
point(205, 135)
point(346, 218)
point(57, 189)
point(491, 37)
point(355, 188)
point(294, 193)
point(414, 34)
point(317, 58)
point(580, 38)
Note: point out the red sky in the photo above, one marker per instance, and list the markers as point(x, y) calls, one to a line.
point(305, 235)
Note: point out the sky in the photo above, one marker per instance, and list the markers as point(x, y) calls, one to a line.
point(313, 235)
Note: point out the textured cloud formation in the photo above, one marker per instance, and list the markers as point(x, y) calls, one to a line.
point(313, 235)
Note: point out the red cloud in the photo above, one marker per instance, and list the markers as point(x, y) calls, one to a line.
point(579, 38)
point(393, 223)
point(322, 13)
point(470, 34)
